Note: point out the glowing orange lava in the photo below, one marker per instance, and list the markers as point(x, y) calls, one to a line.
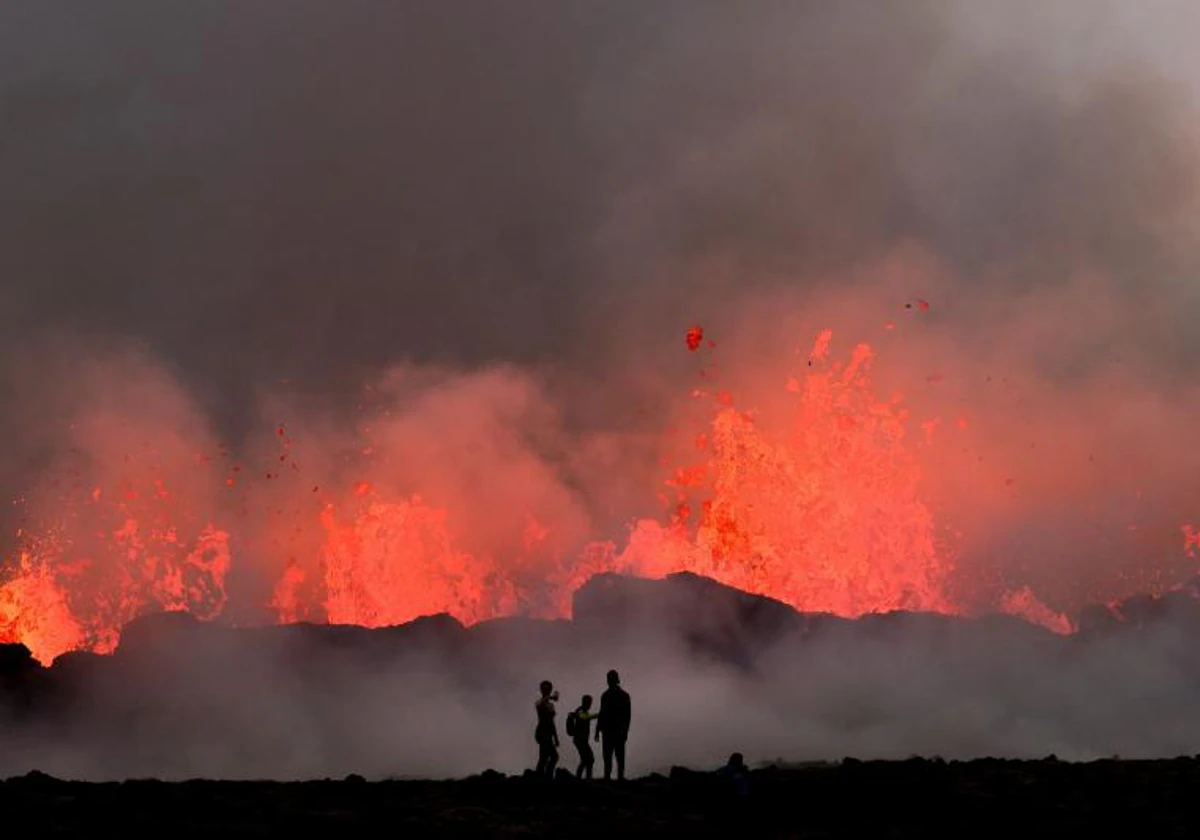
point(396, 561)
point(1024, 604)
point(34, 611)
point(100, 567)
point(825, 516)
point(821, 508)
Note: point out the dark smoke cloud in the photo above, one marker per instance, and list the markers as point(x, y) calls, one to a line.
point(313, 191)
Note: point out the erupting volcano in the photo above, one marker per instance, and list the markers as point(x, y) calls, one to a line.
point(822, 510)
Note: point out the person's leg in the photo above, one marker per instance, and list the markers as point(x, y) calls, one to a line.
point(547, 756)
point(619, 748)
point(607, 745)
point(586, 759)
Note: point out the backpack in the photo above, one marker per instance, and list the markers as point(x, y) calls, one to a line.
point(572, 723)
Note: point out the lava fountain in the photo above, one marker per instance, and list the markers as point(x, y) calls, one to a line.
point(826, 516)
point(822, 511)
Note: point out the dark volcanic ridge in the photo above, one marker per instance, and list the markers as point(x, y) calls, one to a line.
point(711, 670)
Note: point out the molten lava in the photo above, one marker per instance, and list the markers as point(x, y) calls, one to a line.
point(56, 600)
point(825, 516)
point(34, 611)
point(821, 509)
point(107, 555)
point(1024, 604)
point(396, 561)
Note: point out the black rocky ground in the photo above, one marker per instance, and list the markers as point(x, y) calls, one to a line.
point(916, 798)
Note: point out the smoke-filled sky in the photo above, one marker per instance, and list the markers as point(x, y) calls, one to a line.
point(262, 192)
point(211, 211)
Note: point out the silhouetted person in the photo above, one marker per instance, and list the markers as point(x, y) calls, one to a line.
point(613, 725)
point(546, 733)
point(736, 774)
point(579, 727)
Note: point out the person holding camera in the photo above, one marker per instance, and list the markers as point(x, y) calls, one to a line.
point(546, 733)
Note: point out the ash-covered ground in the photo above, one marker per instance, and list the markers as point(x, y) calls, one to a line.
point(710, 669)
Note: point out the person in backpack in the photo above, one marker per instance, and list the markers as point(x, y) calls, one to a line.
point(546, 733)
point(613, 726)
point(579, 727)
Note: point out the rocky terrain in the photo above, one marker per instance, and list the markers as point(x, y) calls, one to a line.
point(916, 798)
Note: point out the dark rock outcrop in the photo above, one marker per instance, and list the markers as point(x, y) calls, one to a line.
point(1136, 613)
point(22, 680)
point(711, 620)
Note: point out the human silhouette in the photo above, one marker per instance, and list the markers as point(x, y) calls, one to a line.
point(579, 727)
point(546, 734)
point(613, 725)
point(736, 774)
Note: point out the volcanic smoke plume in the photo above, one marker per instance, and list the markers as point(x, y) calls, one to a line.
point(347, 314)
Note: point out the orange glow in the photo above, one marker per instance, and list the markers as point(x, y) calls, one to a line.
point(1024, 604)
point(110, 555)
point(396, 561)
point(286, 601)
point(34, 611)
point(825, 515)
point(53, 604)
point(818, 504)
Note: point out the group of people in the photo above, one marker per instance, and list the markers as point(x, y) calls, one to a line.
point(612, 729)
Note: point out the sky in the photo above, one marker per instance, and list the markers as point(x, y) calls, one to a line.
point(258, 193)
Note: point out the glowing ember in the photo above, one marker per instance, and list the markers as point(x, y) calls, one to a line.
point(694, 338)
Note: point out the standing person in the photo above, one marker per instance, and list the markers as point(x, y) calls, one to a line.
point(579, 727)
point(546, 733)
point(737, 775)
point(613, 726)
